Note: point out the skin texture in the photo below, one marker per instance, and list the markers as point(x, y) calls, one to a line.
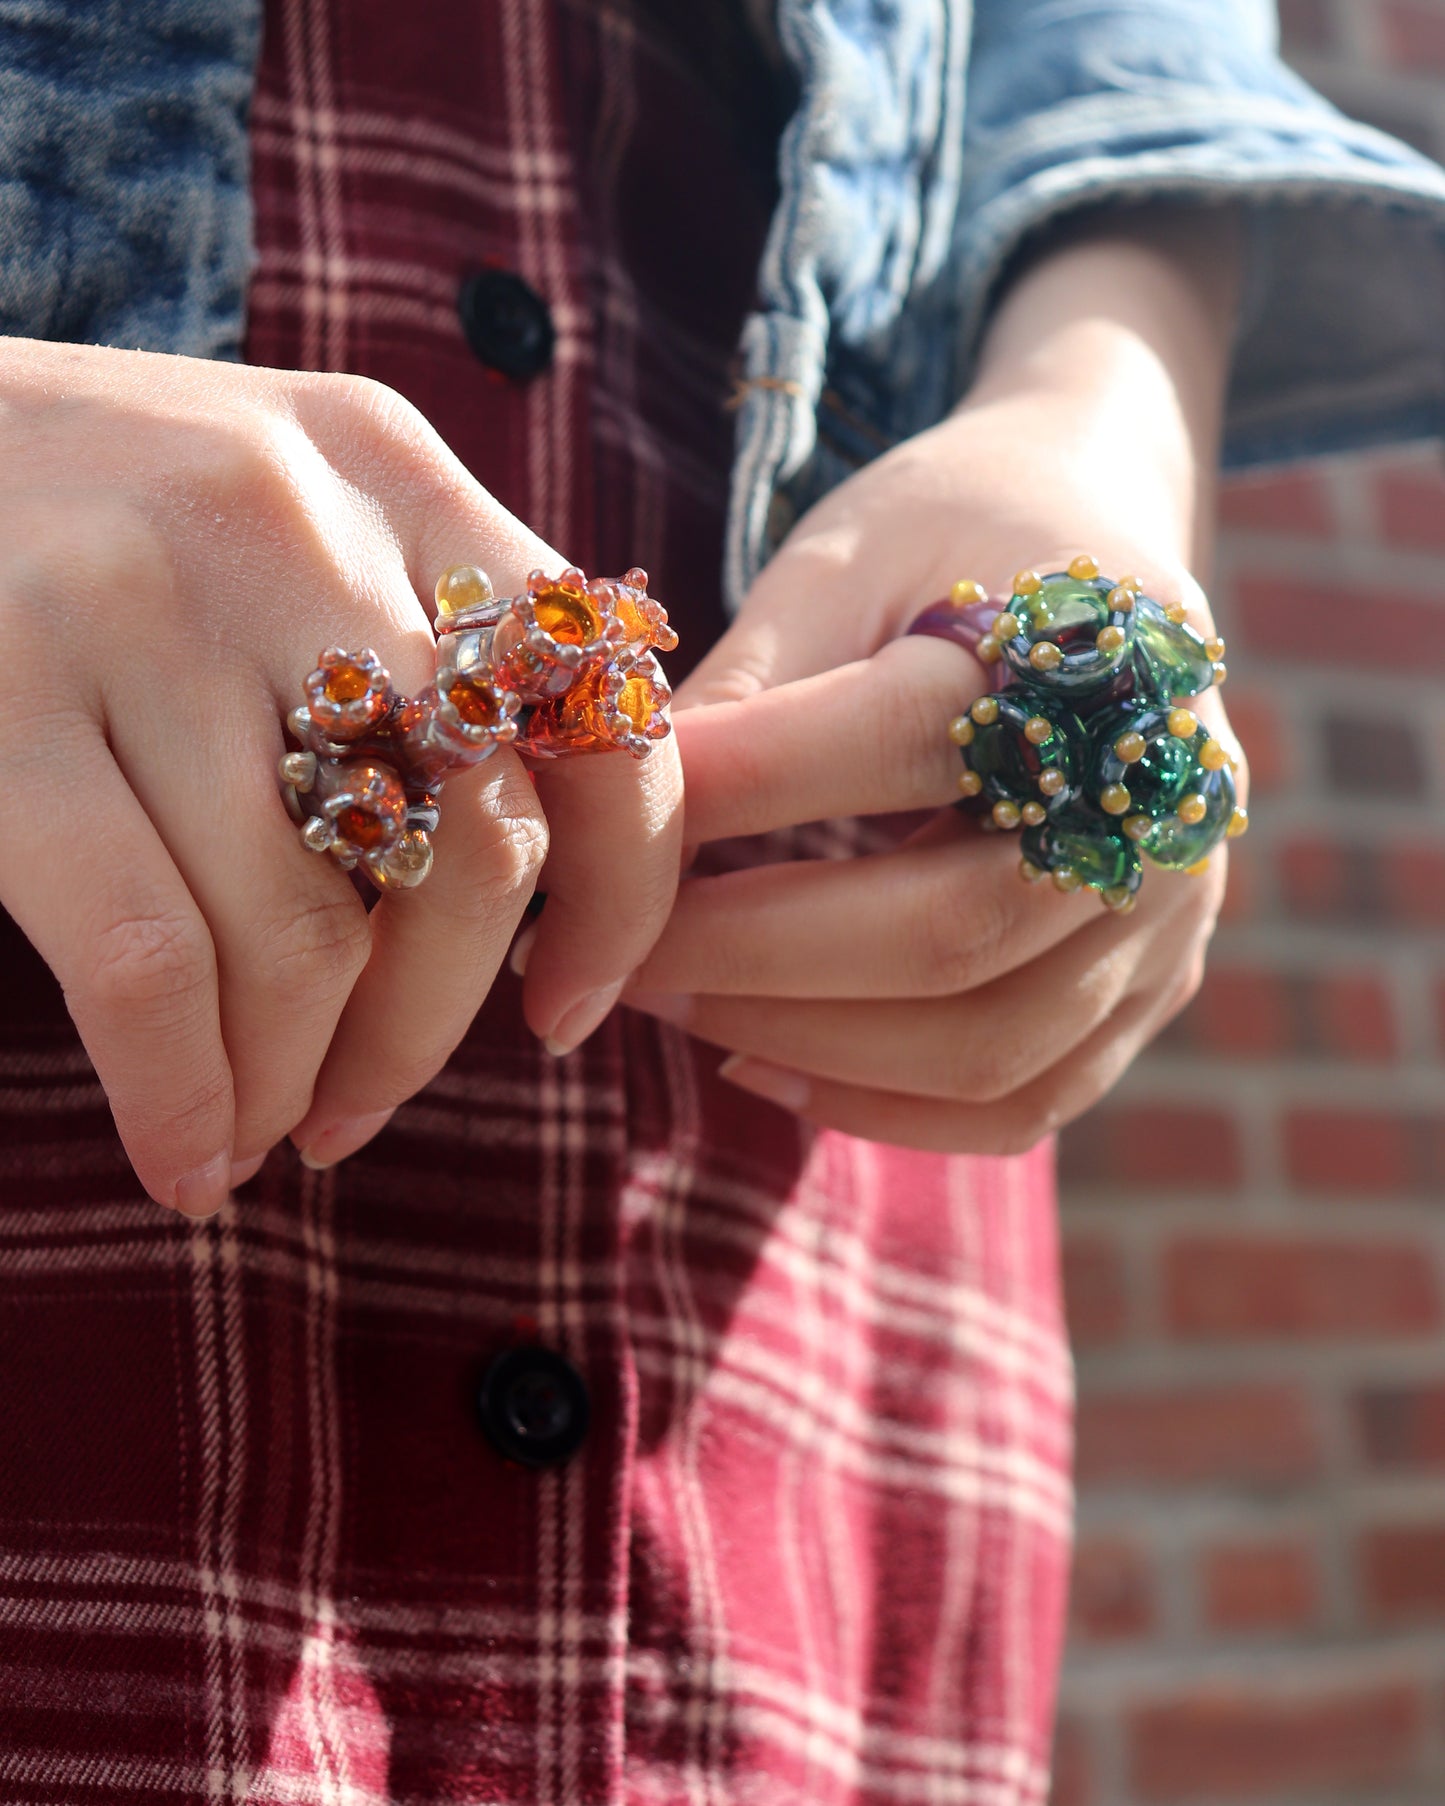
point(925, 996)
point(178, 540)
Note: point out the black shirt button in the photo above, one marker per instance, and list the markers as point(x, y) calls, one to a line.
point(533, 1407)
point(507, 324)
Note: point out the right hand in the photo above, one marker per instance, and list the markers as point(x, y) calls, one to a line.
point(178, 540)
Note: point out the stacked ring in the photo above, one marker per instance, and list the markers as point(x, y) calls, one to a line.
point(1083, 741)
point(567, 667)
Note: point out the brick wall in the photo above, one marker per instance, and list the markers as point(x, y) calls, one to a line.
point(1255, 1220)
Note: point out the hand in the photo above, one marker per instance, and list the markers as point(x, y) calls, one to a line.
point(180, 540)
point(924, 995)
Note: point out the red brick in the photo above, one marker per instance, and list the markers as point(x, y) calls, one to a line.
point(1219, 1435)
point(1318, 880)
point(1412, 507)
point(1160, 1146)
point(1238, 1742)
point(1241, 891)
point(1241, 1012)
point(1230, 1286)
point(1412, 36)
point(1267, 1585)
point(1111, 1597)
point(1254, 716)
point(1340, 624)
point(1295, 502)
point(1412, 884)
point(1402, 1573)
point(1402, 1426)
point(1095, 1290)
point(1073, 1783)
point(1375, 1153)
point(1349, 1015)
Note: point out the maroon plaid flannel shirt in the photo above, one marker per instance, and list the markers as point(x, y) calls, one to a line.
point(255, 1541)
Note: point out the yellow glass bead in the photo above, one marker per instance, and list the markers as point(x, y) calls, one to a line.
point(1005, 627)
point(966, 592)
point(1238, 824)
point(985, 711)
point(1033, 814)
point(960, 730)
point(1118, 898)
point(1132, 584)
point(1130, 747)
point(1214, 649)
point(1037, 730)
point(1046, 656)
point(1067, 879)
point(1114, 799)
point(1006, 814)
point(1176, 612)
point(1212, 756)
point(1027, 583)
point(1198, 869)
point(1221, 674)
point(463, 586)
point(1121, 598)
point(1192, 809)
point(1051, 782)
point(1083, 568)
point(1029, 872)
point(1138, 826)
point(988, 650)
point(970, 783)
point(1109, 639)
point(1183, 723)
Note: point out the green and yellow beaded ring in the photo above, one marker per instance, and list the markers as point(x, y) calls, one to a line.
point(1085, 743)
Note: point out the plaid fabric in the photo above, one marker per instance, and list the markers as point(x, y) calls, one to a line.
point(253, 1545)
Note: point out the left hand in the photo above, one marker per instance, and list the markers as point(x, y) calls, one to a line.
point(925, 996)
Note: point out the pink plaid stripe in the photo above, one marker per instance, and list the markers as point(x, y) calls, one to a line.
point(253, 1546)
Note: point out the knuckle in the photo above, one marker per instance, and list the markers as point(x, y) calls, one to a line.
point(148, 965)
point(952, 938)
point(319, 944)
point(505, 852)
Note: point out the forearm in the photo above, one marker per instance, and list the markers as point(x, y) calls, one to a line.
point(1131, 312)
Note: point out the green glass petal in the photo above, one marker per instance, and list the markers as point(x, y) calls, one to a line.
point(1069, 612)
point(1008, 761)
point(1176, 844)
point(1169, 661)
point(1170, 768)
point(1086, 842)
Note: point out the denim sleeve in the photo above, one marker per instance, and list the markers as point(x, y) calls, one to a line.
point(1072, 103)
point(124, 208)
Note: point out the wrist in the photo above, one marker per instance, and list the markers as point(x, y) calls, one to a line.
point(1126, 319)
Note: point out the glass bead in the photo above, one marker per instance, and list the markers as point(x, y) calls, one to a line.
point(1174, 660)
point(1079, 841)
point(1008, 755)
point(1167, 767)
point(1070, 642)
point(1177, 843)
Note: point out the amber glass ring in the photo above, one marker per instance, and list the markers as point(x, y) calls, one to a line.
point(570, 666)
point(1084, 741)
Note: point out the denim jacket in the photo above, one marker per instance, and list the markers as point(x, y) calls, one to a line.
point(930, 138)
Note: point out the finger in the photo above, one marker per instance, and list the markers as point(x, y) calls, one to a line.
point(862, 739)
point(100, 898)
point(1007, 1126)
point(435, 951)
point(981, 1046)
point(610, 879)
point(290, 932)
point(918, 921)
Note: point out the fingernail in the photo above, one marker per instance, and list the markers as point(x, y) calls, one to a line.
point(668, 1006)
point(242, 1170)
point(202, 1192)
point(522, 950)
point(343, 1138)
point(780, 1084)
point(578, 1023)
